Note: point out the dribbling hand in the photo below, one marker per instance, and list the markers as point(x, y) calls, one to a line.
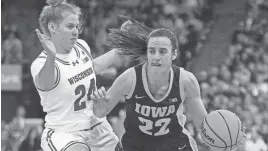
point(46, 43)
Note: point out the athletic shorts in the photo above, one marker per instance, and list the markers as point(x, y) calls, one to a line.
point(167, 144)
point(100, 137)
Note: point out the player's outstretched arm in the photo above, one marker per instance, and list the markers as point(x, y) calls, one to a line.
point(104, 102)
point(103, 61)
point(106, 60)
point(193, 99)
point(46, 77)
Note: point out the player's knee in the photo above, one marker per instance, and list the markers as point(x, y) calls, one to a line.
point(78, 147)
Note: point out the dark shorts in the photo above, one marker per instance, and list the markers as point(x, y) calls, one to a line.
point(167, 144)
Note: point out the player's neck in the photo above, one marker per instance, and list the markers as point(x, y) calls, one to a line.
point(160, 77)
point(59, 48)
point(158, 82)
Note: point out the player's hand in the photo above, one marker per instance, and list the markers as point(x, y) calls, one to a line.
point(100, 102)
point(98, 94)
point(46, 43)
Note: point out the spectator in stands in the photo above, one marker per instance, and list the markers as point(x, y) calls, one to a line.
point(32, 141)
point(17, 127)
point(12, 47)
point(5, 144)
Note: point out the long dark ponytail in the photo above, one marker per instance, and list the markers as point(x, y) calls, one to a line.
point(130, 40)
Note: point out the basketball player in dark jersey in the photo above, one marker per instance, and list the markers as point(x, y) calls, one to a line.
point(155, 93)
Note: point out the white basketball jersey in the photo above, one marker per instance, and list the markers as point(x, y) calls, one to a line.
point(68, 104)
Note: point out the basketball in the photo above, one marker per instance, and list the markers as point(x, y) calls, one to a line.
point(222, 130)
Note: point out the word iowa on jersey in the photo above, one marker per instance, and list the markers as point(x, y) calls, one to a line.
point(146, 115)
point(66, 101)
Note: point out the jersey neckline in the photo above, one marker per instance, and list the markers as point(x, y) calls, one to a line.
point(146, 87)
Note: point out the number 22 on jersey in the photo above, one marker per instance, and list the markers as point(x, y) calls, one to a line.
point(148, 125)
point(80, 91)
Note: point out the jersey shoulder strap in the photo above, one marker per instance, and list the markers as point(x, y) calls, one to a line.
point(138, 70)
point(177, 72)
point(84, 49)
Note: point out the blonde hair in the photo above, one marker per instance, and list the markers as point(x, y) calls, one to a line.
point(53, 12)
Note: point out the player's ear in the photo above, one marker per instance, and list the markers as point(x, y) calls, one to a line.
point(52, 27)
point(174, 54)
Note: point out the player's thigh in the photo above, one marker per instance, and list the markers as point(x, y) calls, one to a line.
point(103, 138)
point(55, 141)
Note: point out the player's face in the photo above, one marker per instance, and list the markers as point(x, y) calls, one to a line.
point(67, 31)
point(159, 52)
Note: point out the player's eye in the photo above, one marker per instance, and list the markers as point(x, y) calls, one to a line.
point(70, 26)
point(152, 51)
point(162, 51)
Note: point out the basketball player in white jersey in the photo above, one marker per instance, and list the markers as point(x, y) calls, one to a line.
point(64, 75)
point(155, 93)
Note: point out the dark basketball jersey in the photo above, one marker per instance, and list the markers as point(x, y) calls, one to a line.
point(150, 123)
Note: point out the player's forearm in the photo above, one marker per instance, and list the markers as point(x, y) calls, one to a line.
point(46, 77)
point(197, 110)
point(102, 108)
point(105, 61)
point(198, 122)
point(100, 112)
point(198, 116)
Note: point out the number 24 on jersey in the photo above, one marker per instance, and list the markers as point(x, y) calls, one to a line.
point(81, 91)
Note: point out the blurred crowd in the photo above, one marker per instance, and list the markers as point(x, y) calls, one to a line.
point(189, 20)
point(17, 135)
point(240, 84)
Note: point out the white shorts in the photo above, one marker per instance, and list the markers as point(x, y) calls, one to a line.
point(100, 137)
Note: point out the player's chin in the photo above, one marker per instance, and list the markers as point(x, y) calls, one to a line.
point(68, 47)
point(71, 44)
